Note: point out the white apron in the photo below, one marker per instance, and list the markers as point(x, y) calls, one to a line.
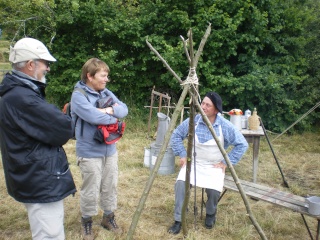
point(207, 154)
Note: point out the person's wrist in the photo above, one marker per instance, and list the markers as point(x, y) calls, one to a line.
point(111, 110)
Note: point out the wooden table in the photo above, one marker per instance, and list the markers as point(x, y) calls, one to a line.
point(253, 136)
point(276, 197)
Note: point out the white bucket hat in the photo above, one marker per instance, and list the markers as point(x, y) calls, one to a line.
point(29, 48)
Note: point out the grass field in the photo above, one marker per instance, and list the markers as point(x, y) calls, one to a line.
point(298, 155)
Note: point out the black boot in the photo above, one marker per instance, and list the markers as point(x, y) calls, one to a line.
point(175, 228)
point(210, 220)
point(86, 226)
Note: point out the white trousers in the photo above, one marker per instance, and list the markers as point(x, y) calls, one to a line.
point(46, 220)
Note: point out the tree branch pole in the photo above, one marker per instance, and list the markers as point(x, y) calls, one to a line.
point(154, 171)
point(164, 62)
point(191, 136)
point(260, 231)
point(189, 149)
point(201, 46)
point(186, 49)
point(233, 173)
point(188, 170)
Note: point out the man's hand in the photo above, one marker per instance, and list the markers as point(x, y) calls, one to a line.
point(220, 165)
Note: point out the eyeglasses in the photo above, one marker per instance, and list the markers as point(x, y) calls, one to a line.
point(45, 62)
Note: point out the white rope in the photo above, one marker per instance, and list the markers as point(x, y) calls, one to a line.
point(303, 116)
point(192, 77)
point(193, 80)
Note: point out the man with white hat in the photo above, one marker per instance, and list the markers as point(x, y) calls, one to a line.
point(27, 56)
point(32, 133)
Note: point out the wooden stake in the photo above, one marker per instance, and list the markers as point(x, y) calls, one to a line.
point(154, 171)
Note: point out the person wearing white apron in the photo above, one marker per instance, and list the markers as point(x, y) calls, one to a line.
point(210, 164)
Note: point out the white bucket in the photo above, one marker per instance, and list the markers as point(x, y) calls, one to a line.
point(313, 205)
point(167, 164)
point(146, 159)
point(236, 120)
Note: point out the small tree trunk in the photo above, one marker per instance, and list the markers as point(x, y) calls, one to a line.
point(191, 133)
point(154, 171)
point(188, 169)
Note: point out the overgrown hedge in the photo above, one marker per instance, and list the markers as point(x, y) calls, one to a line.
point(260, 54)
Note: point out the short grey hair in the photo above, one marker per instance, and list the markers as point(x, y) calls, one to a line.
point(19, 65)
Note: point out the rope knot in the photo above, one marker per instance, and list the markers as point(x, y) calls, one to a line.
point(192, 77)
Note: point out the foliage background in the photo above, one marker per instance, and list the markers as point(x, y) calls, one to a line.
point(261, 54)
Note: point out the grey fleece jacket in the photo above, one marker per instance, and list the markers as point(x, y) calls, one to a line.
point(86, 110)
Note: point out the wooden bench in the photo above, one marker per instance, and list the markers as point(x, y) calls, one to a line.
point(274, 196)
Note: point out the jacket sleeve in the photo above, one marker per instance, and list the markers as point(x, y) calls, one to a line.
point(86, 110)
point(177, 137)
point(120, 109)
point(43, 121)
point(233, 137)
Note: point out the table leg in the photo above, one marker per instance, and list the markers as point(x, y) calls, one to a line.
point(256, 144)
point(318, 230)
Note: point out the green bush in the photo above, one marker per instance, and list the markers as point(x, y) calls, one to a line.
point(259, 54)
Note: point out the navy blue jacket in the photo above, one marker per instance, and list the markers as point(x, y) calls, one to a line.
point(32, 133)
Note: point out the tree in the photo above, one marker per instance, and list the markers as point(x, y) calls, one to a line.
point(25, 18)
point(260, 54)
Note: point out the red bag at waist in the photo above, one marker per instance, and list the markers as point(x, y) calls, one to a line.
point(110, 133)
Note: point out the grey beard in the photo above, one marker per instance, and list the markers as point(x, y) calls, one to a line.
point(43, 79)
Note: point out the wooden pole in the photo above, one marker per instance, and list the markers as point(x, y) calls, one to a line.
point(191, 136)
point(150, 113)
point(154, 171)
point(188, 170)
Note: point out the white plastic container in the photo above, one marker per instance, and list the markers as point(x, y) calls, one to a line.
point(146, 159)
point(236, 120)
point(244, 122)
point(247, 113)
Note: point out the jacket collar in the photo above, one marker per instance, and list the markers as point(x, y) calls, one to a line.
point(31, 82)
